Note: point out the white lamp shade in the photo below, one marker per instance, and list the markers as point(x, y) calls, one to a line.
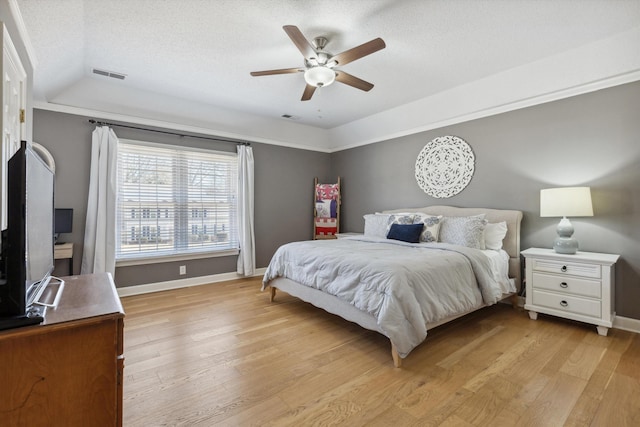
point(319, 76)
point(566, 201)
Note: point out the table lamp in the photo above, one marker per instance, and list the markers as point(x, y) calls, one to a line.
point(564, 202)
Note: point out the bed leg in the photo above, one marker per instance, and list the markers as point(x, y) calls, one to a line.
point(514, 301)
point(272, 293)
point(397, 360)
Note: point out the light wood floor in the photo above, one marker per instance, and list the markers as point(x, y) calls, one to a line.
point(221, 354)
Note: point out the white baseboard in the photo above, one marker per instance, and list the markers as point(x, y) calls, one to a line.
point(182, 283)
point(627, 324)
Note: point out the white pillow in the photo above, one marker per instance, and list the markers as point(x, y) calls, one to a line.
point(375, 225)
point(401, 218)
point(494, 235)
point(431, 226)
point(464, 231)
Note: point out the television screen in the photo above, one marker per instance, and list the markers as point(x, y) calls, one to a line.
point(64, 221)
point(28, 249)
point(39, 215)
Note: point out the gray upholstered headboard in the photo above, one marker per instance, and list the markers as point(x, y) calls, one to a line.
point(511, 242)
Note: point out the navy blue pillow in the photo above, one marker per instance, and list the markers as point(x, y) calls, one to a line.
point(405, 232)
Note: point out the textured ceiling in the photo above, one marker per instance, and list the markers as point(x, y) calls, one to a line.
point(183, 57)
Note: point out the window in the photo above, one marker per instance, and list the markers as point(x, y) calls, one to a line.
point(194, 189)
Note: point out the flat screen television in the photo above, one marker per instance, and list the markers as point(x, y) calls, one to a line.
point(63, 223)
point(27, 246)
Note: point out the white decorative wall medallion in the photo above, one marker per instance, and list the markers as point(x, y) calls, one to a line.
point(445, 166)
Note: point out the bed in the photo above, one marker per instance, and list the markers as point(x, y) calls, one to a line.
point(400, 288)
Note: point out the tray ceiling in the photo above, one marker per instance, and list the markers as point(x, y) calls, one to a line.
point(188, 61)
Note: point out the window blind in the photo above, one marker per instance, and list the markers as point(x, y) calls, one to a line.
point(174, 200)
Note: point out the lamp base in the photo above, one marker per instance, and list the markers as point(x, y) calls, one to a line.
point(564, 243)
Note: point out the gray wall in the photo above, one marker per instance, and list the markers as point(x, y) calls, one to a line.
point(283, 188)
point(591, 140)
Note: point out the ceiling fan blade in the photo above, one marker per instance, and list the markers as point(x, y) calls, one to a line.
point(350, 80)
point(300, 41)
point(308, 93)
point(359, 51)
point(281, 71)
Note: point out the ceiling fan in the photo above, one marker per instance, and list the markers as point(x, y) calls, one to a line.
point(319, 65)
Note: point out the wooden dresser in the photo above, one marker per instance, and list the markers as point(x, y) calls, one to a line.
point(68, 370)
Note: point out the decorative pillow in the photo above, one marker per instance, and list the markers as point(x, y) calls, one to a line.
point(375, 225)
point(323, 208)
point(402, 219)
point(431, 226)
point(464, 231)
point(494, 234)
point(405, 232)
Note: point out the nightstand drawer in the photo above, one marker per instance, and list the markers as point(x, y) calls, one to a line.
point(584, 306)
point(570, 268)
point(567, 285)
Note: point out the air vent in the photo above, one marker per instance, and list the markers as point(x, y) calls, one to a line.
point(111, 74)
point(290, 117)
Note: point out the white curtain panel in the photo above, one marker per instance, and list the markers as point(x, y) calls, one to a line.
point(246, 236)
point(100, 230)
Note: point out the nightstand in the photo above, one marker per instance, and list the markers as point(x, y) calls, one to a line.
point(578, 287)
point(64, 251)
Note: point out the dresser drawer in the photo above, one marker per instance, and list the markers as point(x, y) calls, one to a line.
point(571, 304)
point(569, 268)
point(567, 285)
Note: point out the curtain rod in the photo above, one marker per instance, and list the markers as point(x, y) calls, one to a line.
point(100, 123)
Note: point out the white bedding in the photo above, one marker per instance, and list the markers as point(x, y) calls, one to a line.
point(403, 286)
point(500, 267)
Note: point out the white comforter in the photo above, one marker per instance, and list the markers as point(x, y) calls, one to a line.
point(403, 286)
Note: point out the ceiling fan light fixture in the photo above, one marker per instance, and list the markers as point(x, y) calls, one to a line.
point(319, 76)
point(319, 65)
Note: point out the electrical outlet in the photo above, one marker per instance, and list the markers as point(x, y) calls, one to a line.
point(183, 269)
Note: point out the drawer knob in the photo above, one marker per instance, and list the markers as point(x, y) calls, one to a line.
point(564, 268)
point(564, 285)
point(563, 303)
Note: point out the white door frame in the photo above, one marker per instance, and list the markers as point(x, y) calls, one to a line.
point(13, 125)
